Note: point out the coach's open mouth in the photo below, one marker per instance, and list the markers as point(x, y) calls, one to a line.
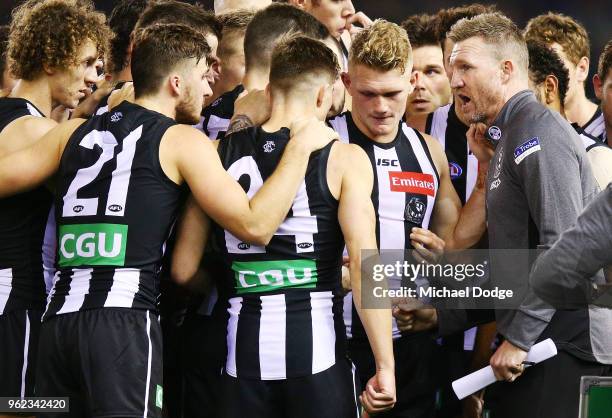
point(464, 99)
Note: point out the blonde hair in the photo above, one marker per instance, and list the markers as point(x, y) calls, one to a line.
point(496, 30)
point(383, 46)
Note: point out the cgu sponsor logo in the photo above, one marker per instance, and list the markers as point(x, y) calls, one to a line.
point(266, 276)
point(409, 182)
point(92, 245)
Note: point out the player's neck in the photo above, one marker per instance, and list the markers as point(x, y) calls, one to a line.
point(38, 92)
point(418, 121)
point(159, 104)
point(123, 75)
point(255, 79)
point(287, 110)
point(579, 109)
point(363, 128)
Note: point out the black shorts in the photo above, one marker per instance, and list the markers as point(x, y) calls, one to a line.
point(204, 353)
point(107, 361)
point(19, 331)
point(415, 379)
point(328, 394)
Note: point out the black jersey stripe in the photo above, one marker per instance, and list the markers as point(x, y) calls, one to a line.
point(247, 355)
point(298, 334)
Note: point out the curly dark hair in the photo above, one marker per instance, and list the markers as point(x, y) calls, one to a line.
point(422, 30)
point(544, 61)
point(51, 32)
point(605, 61)
point(122, 21)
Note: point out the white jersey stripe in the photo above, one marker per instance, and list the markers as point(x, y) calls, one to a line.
point(6, 279)
point(33, 111)
point(26, 349)
point(272, 337)
point(232, 329)
point(149, 360)
point(124, 288)
point(439, 123)
point(323, 332)
point(216, 125)
point(472, 174)
point(353, 369)
point(341, 127)
point(49, 250)
point(426, 167)
point(79, 287)
point(391, 204)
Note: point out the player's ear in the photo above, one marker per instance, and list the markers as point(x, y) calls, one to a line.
point(597, 86)
point(346, 79)
point(507, 69)
point(582, 69)
point(175, 83)
point(321, 95)
point(551, 88)
point(299, 3)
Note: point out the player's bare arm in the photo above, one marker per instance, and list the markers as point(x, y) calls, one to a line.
point(29, 167)
point(191, 238)
point(187, 155)
point(458, 227)
point(358, 223)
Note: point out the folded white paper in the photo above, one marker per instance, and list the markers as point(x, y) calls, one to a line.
point(482, 378)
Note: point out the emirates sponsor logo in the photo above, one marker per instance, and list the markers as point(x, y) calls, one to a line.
point(408, 182)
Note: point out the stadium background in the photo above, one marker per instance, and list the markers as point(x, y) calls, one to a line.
point(594, 14)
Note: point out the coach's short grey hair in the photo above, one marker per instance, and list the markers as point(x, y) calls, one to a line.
point(496, 30)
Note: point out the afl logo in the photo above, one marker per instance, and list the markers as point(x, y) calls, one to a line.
point(116, 117)
point(244, 246)
point(115, 208)
point(304, 245)
point(78, 208)
point(455, 170)
point(494, 133)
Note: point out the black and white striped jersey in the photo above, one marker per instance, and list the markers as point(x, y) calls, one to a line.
point(216, 116)
point(589, 141)
point(114, 211)
point(596, 126)
point(444, 125)
point(406, 184)
point(286, 308)
point(22, 226)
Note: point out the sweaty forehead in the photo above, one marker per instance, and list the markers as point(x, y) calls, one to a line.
point(427, 55)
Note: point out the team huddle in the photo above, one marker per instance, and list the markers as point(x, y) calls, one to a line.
point(186, 195)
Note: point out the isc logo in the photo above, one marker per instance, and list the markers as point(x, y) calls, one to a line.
point(386, 162)
point(92, 244)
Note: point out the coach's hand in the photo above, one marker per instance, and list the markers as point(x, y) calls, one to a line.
point(379, 394)
point(311, 133)
point(480, 146)
point(507, 362)
point(254, 104)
